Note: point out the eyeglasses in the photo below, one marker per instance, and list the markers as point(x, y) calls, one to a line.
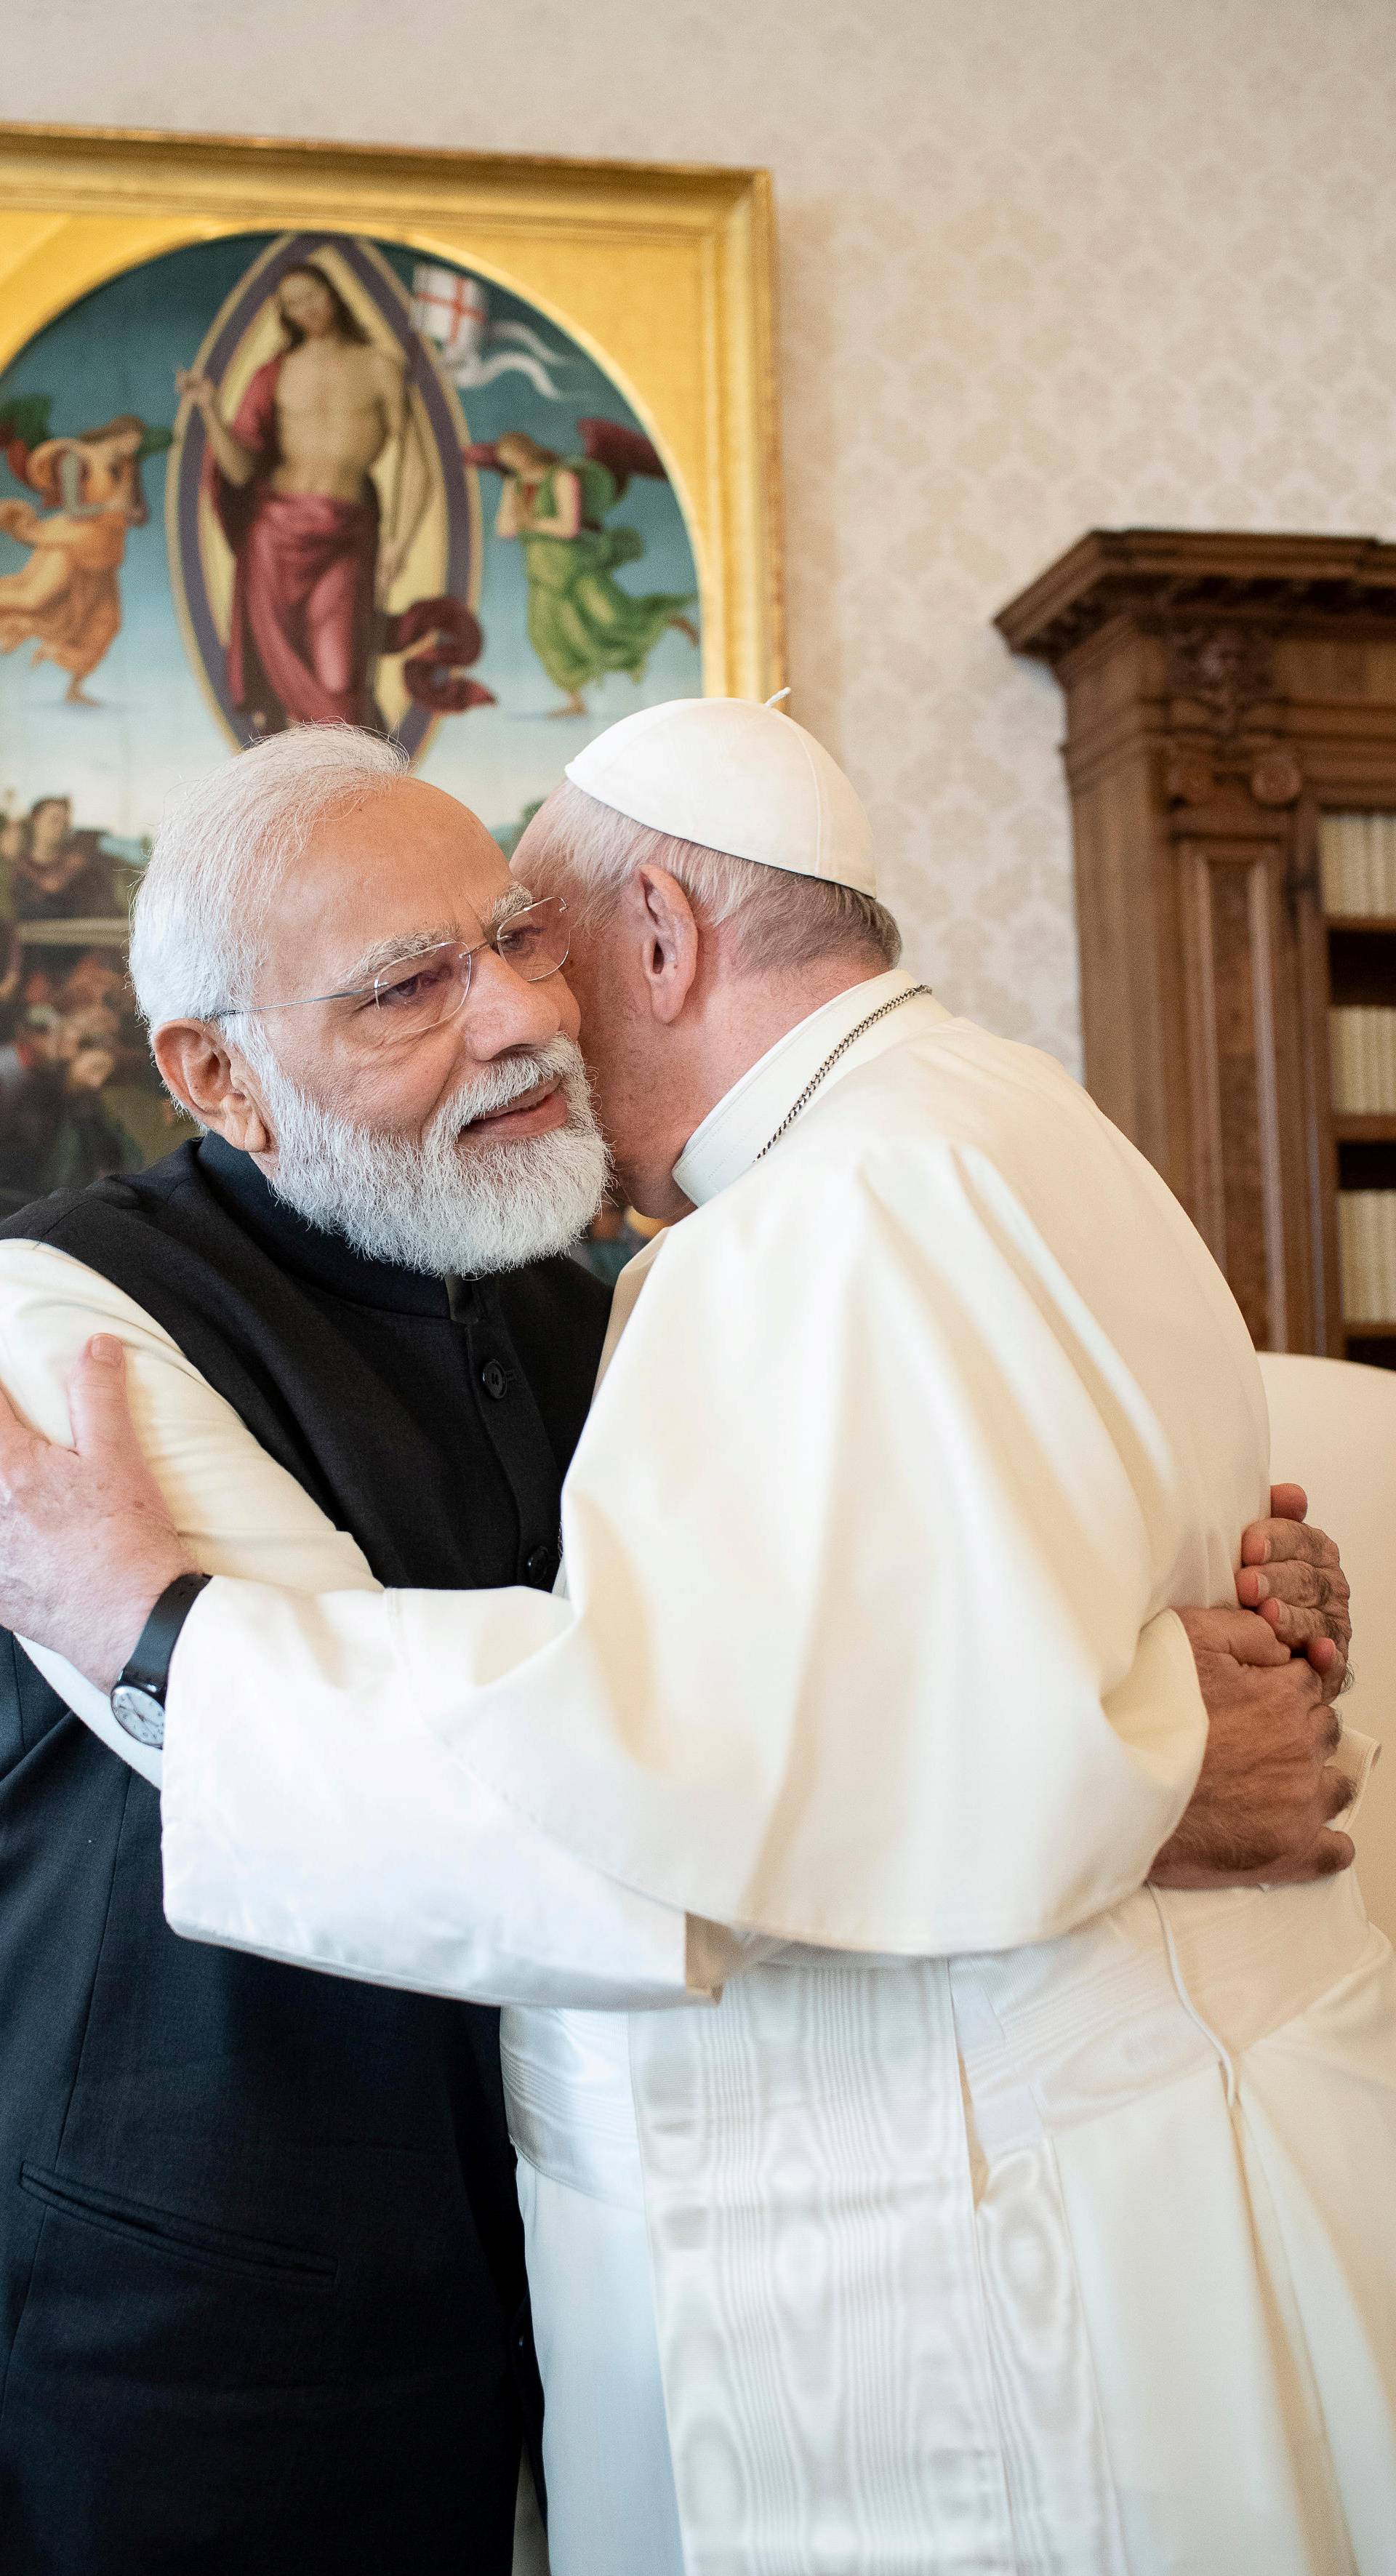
point(418, 993)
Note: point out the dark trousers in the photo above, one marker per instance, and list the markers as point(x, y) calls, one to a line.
point(260, 2271)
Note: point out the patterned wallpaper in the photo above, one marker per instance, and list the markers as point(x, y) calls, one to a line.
point(1043, 267)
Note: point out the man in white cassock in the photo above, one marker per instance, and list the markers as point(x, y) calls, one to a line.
point(987, 2198)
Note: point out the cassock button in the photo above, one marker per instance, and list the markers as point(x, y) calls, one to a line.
point(541, 1565)
point(494, 1380)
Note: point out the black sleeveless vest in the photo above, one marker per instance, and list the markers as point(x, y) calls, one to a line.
point(261, 2282)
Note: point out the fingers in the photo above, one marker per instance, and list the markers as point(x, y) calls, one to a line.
point(1268, 1789)
point(1296, 1621)
point(1337, 1793)
point(1299, 1712)
point(1277, 1541)
point(1324, 1857)
point(1247, 1638)
point(1306, 1605)
point(1288, 1502)
point(1327, 1855)
point(107, 1441)
point(1301, 1592)
point(1297, 1579)
point(17, 1441)
point(97, 1402)
point(1296, 1627)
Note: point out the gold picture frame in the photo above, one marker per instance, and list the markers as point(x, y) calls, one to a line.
point(572, 510)
point(664, 273)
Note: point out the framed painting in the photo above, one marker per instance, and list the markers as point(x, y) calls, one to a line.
point(480, 453)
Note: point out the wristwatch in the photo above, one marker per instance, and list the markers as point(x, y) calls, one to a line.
point(138, 1695)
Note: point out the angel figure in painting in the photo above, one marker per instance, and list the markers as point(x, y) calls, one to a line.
point(66, 600)
point(581, 623)
point(291, 481)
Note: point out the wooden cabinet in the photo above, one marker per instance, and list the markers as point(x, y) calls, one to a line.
point(1228, 700)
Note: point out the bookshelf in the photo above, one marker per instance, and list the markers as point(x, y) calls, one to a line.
point(1357, 892)
point(1230, 755)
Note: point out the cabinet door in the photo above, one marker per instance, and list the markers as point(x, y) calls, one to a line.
point(1253, 1191)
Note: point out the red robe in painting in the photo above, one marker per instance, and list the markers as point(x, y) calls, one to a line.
point(300, 648)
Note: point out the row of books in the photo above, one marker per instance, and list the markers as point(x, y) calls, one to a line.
point(1357, 863)
point(1362, 1042)
point(1367, 1255)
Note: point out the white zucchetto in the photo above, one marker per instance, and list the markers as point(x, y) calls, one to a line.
point(734, 776)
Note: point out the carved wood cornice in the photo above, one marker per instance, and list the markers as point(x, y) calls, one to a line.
point(1202, 585)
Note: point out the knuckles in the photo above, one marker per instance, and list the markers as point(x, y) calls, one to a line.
point(1298, 1583)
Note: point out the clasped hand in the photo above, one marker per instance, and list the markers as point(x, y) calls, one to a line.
point(1268, 1791)
point(87, 1544)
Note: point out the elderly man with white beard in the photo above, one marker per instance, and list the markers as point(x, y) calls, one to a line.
point(261, 2264)
point(985, 2204)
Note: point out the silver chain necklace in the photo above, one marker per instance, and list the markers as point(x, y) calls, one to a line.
point(831, 1060)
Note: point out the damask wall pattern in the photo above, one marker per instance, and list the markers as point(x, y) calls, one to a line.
point(1108, 262)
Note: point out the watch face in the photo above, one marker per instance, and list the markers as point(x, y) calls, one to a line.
point(139, 1712)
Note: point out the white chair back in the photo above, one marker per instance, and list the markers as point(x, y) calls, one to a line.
point(1333, 1431)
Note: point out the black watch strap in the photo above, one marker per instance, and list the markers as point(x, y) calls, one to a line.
point(149, 1666)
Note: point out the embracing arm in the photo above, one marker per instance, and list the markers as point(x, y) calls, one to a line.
point(1279, 1768)
point(394, 1865)
point(805, 1654)
point(233, 1509)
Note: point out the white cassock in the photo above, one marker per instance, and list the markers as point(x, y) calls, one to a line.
point(1032, 2221)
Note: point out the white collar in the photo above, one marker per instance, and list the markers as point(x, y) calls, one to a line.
point(733, 1134)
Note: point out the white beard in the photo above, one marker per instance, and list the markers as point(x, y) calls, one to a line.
point(434, 1203)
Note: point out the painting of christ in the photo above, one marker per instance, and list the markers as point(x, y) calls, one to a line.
point(336, 480)
point(291, 481)
point(378, 489)
point(319, 514)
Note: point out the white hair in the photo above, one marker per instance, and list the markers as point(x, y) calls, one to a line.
point(438, 1202)
point(781, 920)
point(221, 854)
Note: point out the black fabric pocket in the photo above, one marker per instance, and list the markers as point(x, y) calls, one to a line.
point(182, 2240)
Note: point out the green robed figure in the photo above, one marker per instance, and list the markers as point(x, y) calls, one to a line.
point(581, 623)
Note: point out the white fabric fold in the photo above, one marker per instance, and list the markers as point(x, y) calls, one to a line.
point(1008, 2286)
point(339, 1838)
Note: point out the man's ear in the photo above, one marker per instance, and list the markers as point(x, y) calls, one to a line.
point(669, 957)
point(197, 1066)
